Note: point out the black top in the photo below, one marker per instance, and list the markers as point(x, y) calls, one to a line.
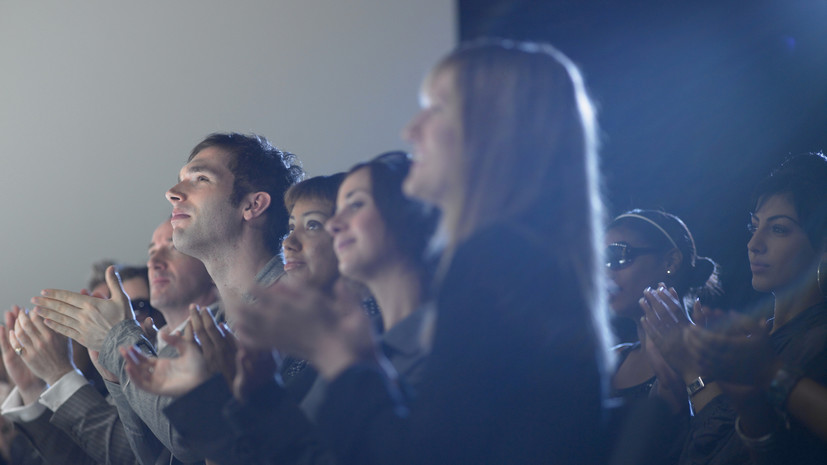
point(512, 376)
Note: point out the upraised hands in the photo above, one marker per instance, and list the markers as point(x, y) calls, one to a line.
point(30, 386)
point(664, 321)
point(740, 352)
point(217, 342)
point(168, 376)
point(47, 353)
point(331, 332)
point(85, 318)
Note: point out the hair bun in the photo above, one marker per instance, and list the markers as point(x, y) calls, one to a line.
point(704, 274)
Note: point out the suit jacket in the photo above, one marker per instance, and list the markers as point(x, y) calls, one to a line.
point(85, 429)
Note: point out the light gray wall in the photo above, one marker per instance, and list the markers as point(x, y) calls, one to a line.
point(101, 101)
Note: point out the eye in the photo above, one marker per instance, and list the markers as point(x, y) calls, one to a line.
point(314, 225)
point(356, 204)
point(202, 178)
point(779, 229)
point(751, 228)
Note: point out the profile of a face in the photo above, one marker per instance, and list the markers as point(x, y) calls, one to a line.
point(308, 248)
point(780, 253)
point(644, 270)
point(202, 212)
point(360, 238)
point(436, 135)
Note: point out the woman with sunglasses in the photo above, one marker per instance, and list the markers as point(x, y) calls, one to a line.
point(505, 146)
point(643, 249)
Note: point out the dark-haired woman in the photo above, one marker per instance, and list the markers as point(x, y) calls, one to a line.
point(643, 249)
point(505, 146)
point(759, 365)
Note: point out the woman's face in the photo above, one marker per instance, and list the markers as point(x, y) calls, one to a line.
point(360, 238)
point(780, 253)
point(630, 279)
point(308, 248)
point(436, 135)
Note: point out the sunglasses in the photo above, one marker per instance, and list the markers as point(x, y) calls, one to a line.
point(620, 255)
point(143, 305)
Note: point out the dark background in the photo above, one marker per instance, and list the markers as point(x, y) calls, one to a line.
point(698, 101)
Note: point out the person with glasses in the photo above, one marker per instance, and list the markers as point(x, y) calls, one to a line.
point(645, 248)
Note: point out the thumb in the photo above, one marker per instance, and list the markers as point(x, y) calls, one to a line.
point(113, 281)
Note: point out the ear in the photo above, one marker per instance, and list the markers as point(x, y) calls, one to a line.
point(255, 204)
point(673, 260)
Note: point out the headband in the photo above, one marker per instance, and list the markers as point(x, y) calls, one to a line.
point(641, 217)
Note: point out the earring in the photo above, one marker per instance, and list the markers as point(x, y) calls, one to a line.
point(668, 271)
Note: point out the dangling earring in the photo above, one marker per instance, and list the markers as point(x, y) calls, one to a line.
point(820, 277)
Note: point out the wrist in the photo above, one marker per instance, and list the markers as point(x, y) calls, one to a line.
point(55, 376)
point(30, 392)
point(331, 357)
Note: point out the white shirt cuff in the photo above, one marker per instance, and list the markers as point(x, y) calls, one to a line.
point(62, 390)
point(14, 410)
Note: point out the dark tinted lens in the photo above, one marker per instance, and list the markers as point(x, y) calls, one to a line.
point(616, 256)
point(141, 305)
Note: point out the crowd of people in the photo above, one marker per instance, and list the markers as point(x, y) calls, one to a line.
point(453, 305)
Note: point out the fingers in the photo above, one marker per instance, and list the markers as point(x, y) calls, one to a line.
point(205, 327)
point(113, 281)
point(21, 333)
point(139, 367)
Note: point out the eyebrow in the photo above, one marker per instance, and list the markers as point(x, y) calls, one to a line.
point(355, 191)
point(199, 168)
point(312, 212)
point(773, 218)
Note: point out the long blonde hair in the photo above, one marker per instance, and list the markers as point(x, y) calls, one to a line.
point(529, 156)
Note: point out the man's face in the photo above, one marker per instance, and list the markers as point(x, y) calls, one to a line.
point(202, 214)
point(175, 280)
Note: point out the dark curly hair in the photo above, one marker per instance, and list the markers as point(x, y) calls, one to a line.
point(258, 166)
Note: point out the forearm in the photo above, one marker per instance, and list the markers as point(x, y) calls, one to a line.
point(53, 444)
point(133, 401)
point(94, 424)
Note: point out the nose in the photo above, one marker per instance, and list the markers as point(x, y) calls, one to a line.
point(756, 243)
point(175, 194)
point(334, 224)
point(291, 242)
point(411, 130)
point(157, 261)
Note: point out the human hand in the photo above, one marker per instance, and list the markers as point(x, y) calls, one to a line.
point(47, 353)
point(29, 385)
point(150, 330)
point(255, 367)
point(167, 376)
point(331, 332)
point(664, 321)
point(85, 318)
point(218, 343)
point(740, 352)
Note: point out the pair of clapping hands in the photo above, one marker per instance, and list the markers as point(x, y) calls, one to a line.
point(36, 348)
point(722, 346)
point(331, 331)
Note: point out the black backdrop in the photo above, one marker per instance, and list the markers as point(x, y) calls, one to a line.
point(698, 100)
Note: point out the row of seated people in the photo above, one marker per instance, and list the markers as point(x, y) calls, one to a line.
point(445, 307)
